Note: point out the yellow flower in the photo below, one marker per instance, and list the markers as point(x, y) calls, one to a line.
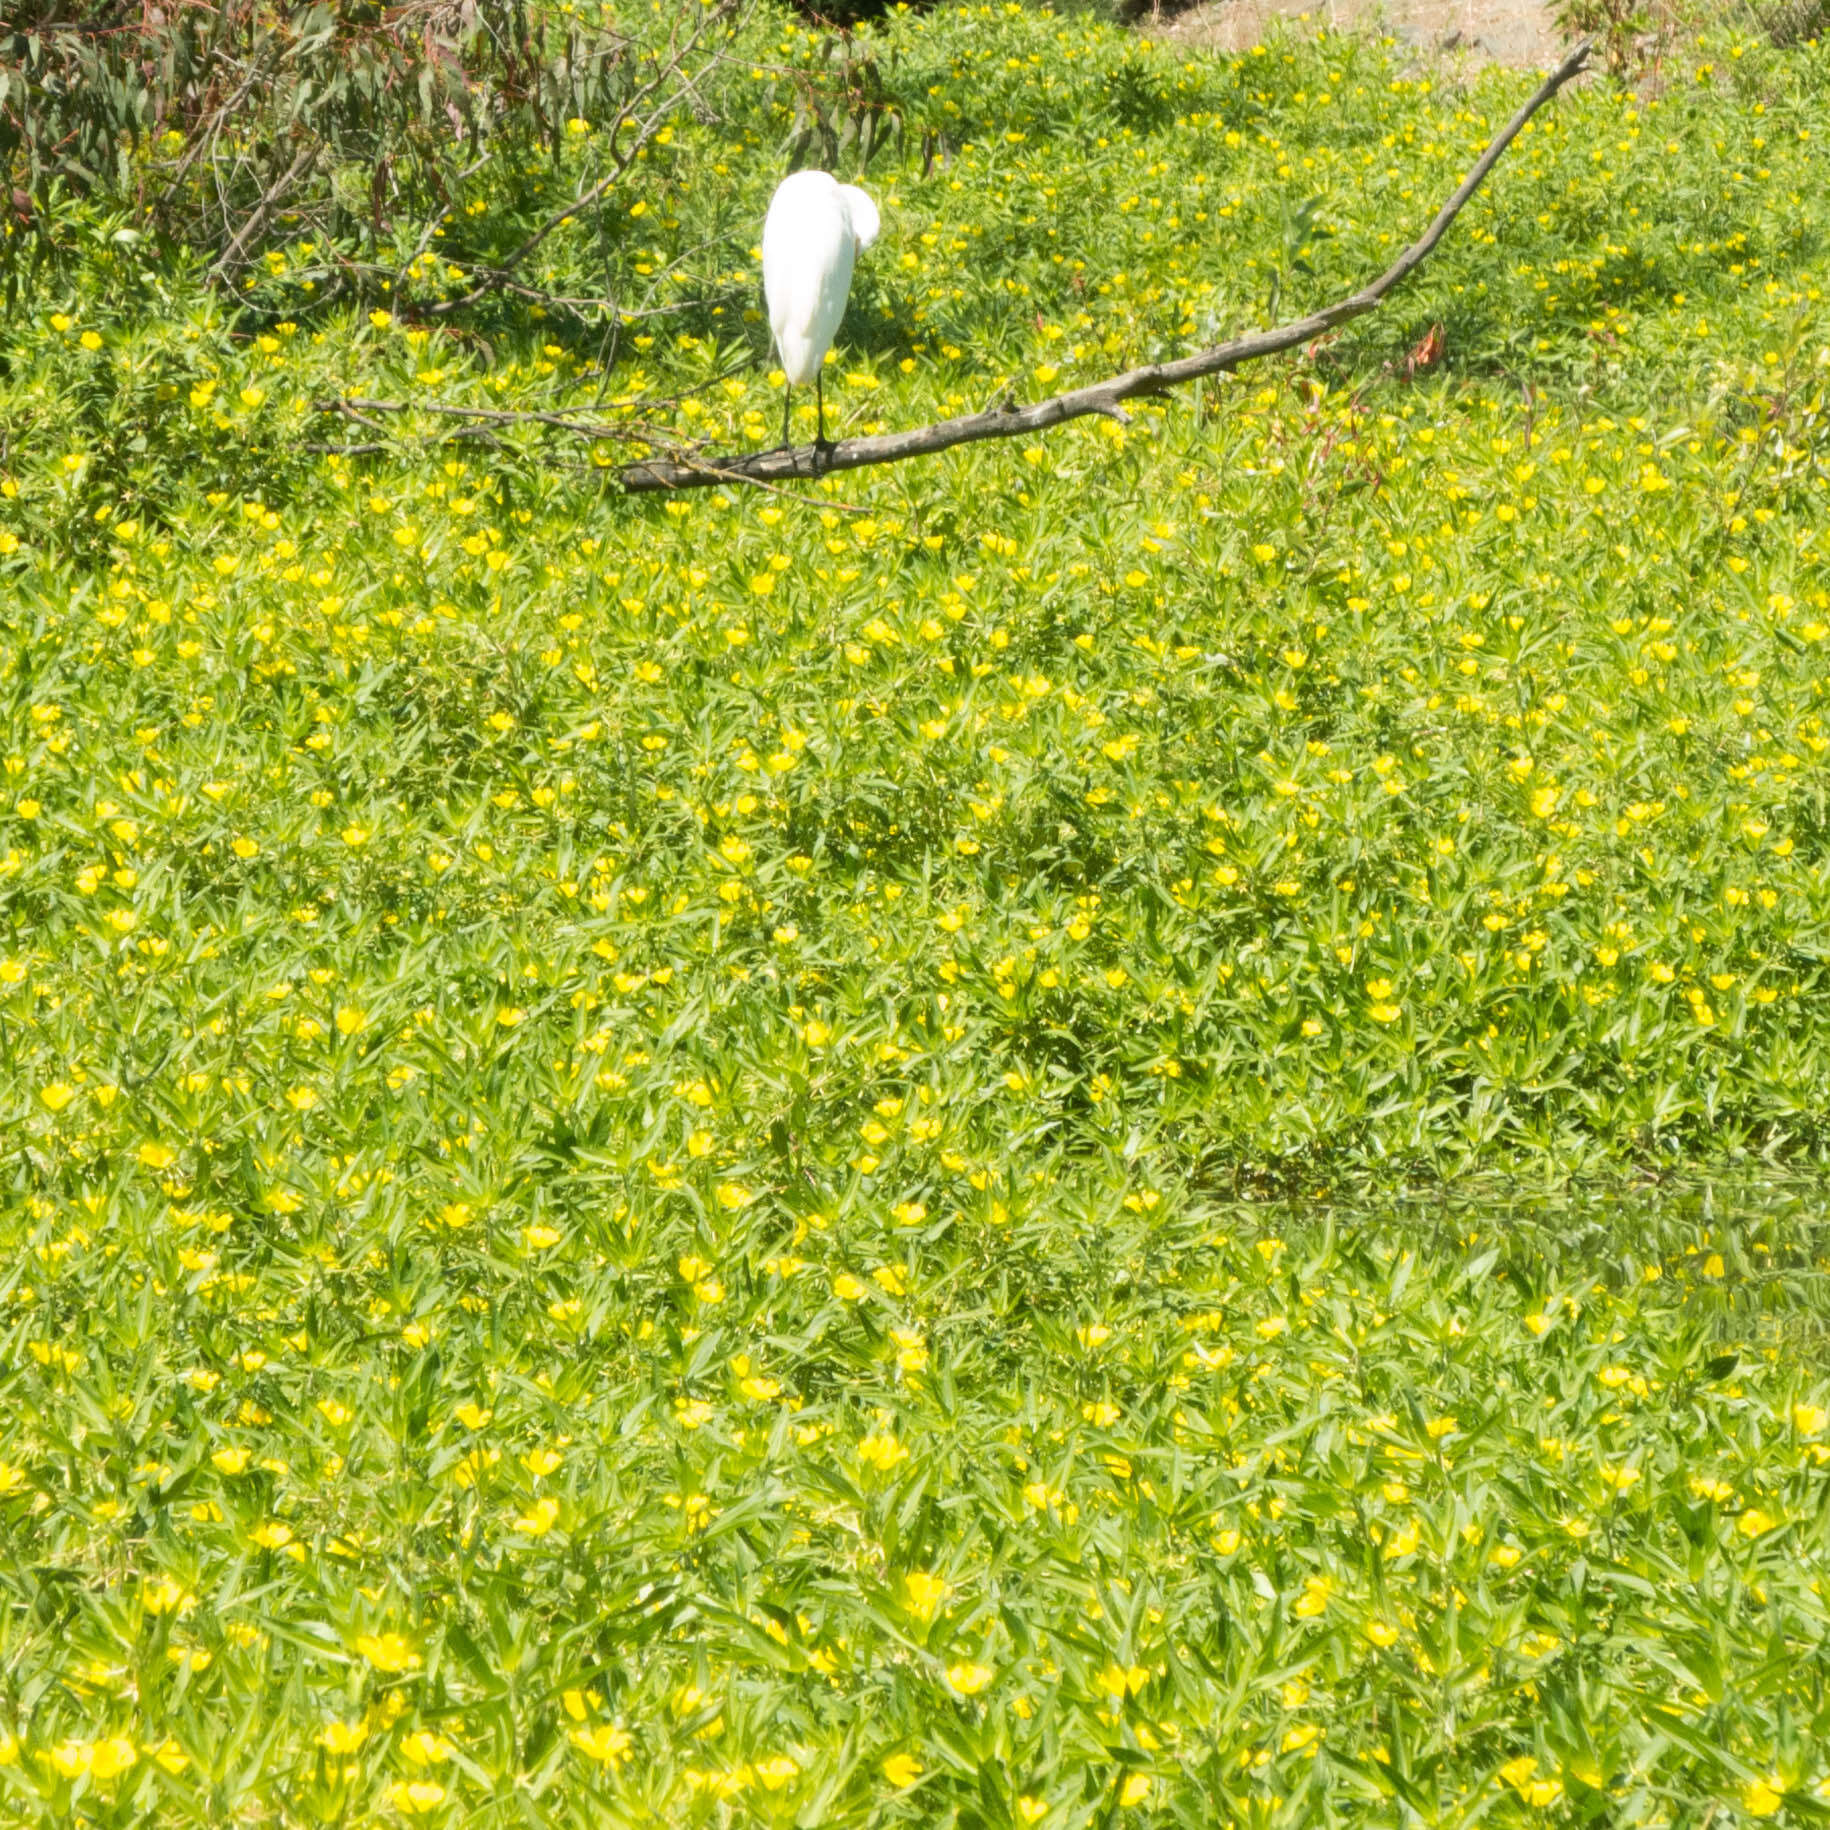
point(605, 1743)
point(923, 1593)
point(1135, 1790)
point(1314, 1598)
point(415, 1797)
point(1809, 1419)
point(342, 1737)
point(387, 1652)
point(57, 1095)
point(902, 1769)
point(1517, 1772)
point(882, 1451)
point(165, 1597)
point(539, 1519)
point(847, 1287)
point(1763, 1797)
point(968, 1678)
point(776, 1771)
point(112, 1757)
point(423, 1748)
point(1754, 1523)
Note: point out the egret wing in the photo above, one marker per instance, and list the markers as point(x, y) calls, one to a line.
point(807, 262)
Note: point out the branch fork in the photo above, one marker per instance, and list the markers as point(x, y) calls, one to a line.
point(1005, 419)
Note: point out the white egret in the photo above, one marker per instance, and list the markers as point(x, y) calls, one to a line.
point(811, 236)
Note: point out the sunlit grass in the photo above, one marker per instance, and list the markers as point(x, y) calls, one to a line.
point(629, 1126)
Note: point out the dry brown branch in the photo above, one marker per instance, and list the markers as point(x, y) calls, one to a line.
point(1106, 397)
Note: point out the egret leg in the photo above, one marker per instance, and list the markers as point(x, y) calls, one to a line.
point(819, 394)
point(787, 398)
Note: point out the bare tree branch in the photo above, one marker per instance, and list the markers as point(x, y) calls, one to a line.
point(225, 263)
point(353, 407)
point(1009, 421)
point(673, 81)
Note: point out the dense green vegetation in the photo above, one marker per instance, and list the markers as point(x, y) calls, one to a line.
point(636, 1136)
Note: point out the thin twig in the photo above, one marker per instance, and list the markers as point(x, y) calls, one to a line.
point(439, 218)
point(588, 429)
point(258, 215)
point(1007, 421)
point(577, 421)
point(620, 160)
point(591, 431)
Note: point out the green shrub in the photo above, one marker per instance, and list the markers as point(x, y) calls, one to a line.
point(330, 151)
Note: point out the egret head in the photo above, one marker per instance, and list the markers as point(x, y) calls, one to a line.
point(862, 214)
